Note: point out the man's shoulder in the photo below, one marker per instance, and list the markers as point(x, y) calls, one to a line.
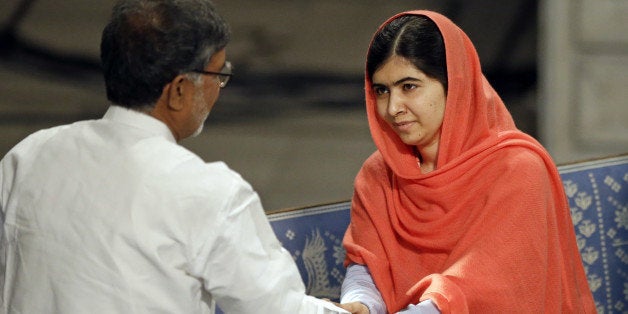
point(210, 185)
point(176, 163)
point(215, 172)
point(35, 139)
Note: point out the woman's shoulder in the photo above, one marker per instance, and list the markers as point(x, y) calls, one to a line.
point(374, 169)
point(374, 163)
point(520, 159)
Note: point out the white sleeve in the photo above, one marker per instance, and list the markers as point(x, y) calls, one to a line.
point(358, 286)
point(312, 305)
point(246, 269)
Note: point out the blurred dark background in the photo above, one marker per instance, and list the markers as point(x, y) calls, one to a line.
point(291, 121)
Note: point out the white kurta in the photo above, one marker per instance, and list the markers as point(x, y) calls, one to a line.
point(113, 216)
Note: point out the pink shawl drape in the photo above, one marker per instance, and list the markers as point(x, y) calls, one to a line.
point(488, 231)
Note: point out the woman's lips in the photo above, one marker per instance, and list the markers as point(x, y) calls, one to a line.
point(403, 126)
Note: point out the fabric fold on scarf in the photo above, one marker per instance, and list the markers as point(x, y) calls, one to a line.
point(489, 230)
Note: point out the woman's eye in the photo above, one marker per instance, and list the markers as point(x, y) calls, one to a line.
point(380, 90)
point(409, 86)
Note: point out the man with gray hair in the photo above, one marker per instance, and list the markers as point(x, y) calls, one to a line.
point(113, 216)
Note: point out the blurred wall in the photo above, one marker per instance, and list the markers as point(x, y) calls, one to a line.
point(292, 119)
point(583, 106)
point(287, 35)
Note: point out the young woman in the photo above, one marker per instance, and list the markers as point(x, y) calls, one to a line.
point(457, 211)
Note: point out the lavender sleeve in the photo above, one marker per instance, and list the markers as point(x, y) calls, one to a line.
point(358, 286)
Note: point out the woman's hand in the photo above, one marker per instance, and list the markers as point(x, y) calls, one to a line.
point(355, 308)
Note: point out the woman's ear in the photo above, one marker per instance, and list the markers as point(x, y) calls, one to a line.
point(177, 93)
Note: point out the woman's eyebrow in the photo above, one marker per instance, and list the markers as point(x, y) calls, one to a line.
point(399, 82)
point(406, 79)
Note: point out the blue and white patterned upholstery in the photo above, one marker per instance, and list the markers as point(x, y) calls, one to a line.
point(313, 236)
point(598, 198)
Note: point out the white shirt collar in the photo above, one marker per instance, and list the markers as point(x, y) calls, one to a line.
point(139, 120)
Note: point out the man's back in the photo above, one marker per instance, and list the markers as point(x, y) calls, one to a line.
point(111, 216)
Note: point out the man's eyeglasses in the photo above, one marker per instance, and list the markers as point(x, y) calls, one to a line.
point(223, 76)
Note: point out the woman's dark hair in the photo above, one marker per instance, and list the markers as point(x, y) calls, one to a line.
point(413, 37)
point(147, 43)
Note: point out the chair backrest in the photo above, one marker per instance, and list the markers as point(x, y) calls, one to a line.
point(313, 235)
point(598, 198)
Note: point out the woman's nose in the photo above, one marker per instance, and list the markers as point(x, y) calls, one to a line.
point(396, 105)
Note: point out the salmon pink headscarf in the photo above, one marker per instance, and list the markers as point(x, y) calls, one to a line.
point(489, 230)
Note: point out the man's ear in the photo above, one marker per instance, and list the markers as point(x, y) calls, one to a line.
point(177, 93)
